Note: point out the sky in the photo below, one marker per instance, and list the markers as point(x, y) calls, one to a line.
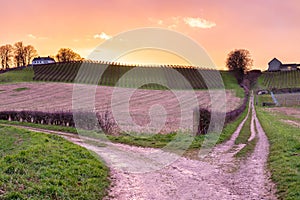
point(267, 28)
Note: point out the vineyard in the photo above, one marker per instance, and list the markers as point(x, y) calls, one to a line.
point(285, 79)
point(112, 74)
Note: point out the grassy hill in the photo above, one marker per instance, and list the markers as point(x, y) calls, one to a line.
point(38, 166)
point(22, 75)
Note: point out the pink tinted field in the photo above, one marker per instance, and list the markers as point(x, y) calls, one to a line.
point(56, 97)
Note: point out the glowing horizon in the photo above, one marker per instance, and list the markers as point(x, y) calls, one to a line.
point(217, 26)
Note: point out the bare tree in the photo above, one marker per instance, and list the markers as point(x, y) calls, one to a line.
point(67, 55)
point(30, 52)
point(6, 54)
point(20, 55)
point(239, 61)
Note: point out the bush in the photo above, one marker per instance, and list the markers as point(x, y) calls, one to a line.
point(205, 115)
point(84, 120)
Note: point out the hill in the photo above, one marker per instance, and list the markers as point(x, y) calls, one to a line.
point(19, 75)
point(169, 76)
point(39, 166)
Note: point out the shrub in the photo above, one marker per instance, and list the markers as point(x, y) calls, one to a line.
point(84, 120)
point(205, 115)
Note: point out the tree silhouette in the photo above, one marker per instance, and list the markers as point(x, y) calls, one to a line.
point(20, 56)
point(67, 55)
point(6, 55)
point(239, 61)
point(30, 53)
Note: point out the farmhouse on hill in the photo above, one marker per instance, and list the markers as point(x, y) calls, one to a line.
point(42, 60)
point(275, 65)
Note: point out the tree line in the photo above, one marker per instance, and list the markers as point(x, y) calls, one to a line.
point(21, 55)
point(16, 55)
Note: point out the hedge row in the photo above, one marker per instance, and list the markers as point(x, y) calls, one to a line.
point(285, 90)
point(84, 120)
point(205, 115)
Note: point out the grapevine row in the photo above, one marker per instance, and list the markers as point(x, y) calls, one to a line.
point(284, 79)
point(111, 74)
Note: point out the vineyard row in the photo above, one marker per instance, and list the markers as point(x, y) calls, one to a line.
point(285, 79)
point(114, 74)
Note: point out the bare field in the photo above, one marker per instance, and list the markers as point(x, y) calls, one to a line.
point(145, 110)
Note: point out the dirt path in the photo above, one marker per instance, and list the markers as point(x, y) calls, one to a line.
point(144, 173)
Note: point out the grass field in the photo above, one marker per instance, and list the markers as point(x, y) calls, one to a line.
point(39, 166)
point(245, 132)
point(230, 83)
point(265, 98)
point(231, 127)
point(284, 158)
point(243, 139)
point(25, 75)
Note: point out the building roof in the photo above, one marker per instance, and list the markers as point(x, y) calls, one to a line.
point(274, 59)
point(290, 65)
point(43, 58)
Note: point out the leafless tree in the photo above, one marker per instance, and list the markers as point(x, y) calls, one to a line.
point(6, 55)
point(239, 61)
point(20, 55)
point(67, 55)
point(30, 53)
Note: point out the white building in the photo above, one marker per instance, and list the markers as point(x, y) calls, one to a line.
point(42, 60)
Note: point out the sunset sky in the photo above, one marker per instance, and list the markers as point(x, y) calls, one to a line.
point(267, 28)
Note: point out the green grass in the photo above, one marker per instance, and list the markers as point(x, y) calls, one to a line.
point(21, 89)
point(39, 166)
point(229, 129)
point(231, 83)
point(265, 98)
point(281, 116)
point(243, 139)
point(245, 131)
point(40, 126)
point(284, 157)
point(24, 75)
point(247, 150)
point(158, 140)
point(260, 83)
